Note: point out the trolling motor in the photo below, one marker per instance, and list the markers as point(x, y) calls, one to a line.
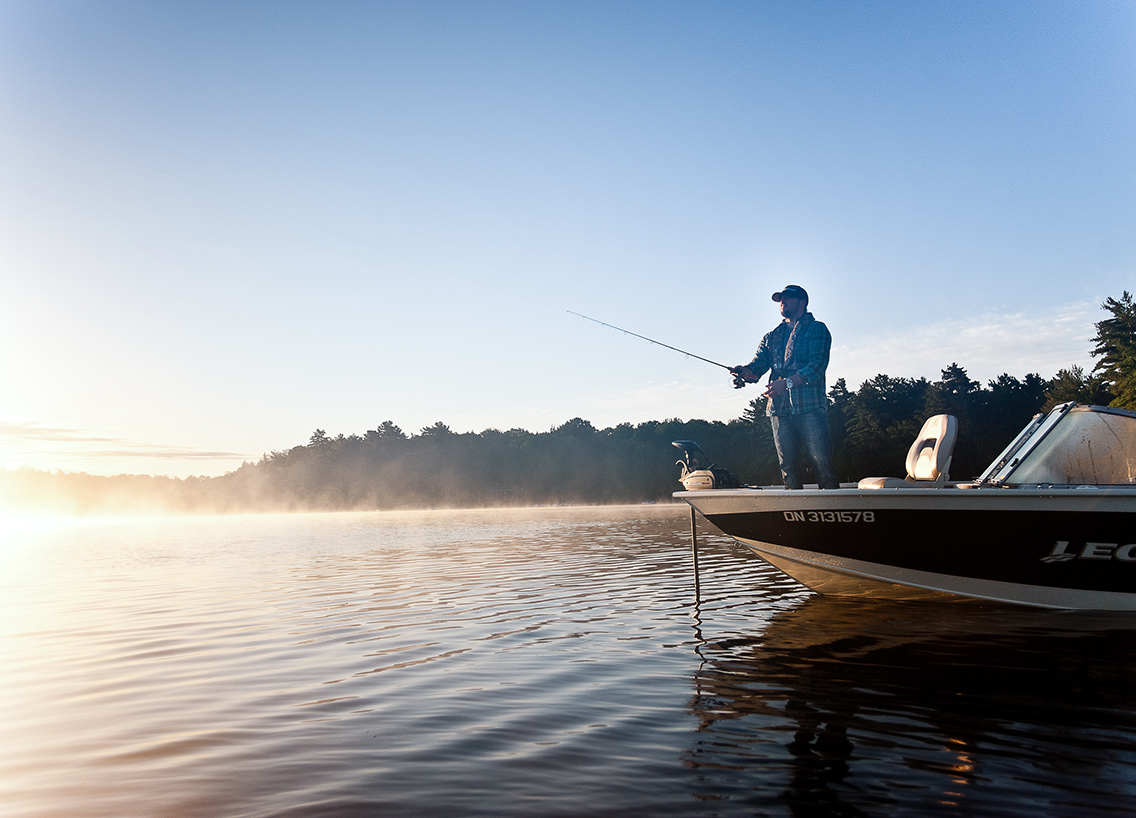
point(698, 473)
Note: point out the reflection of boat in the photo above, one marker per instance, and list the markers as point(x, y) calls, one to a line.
point(1051, 523)
point(872, 707)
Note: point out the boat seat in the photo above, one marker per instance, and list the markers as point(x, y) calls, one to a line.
point(928, 459)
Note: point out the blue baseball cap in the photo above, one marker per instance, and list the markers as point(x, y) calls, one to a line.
point(792, 291)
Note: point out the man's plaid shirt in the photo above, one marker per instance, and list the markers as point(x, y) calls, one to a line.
point(808, 358)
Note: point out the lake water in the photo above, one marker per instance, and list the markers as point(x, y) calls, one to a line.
point(545, 662)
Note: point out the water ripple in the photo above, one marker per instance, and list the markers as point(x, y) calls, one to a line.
point(546, 661)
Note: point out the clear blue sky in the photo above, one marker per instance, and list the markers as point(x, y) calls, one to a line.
point(223, 225)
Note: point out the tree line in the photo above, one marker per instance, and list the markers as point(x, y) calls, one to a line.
point(576, 463)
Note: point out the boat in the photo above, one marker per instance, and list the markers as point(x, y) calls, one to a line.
point(1051, 523)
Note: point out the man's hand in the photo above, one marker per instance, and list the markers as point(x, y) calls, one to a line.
point(739, 378)
point(777, 387)
point(744, 373)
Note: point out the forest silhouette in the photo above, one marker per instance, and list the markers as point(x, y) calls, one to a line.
point(576, 463)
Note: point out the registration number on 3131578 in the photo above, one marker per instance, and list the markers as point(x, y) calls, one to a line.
point(830, 516)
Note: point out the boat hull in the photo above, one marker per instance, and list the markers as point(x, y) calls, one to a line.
point(1055, 548)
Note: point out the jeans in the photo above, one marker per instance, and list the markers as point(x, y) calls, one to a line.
point(808, 430)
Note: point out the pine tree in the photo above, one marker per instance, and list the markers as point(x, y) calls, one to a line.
point(1073, 384)
point(1116, 345)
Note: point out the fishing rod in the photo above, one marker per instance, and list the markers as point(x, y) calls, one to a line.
point(739, 382)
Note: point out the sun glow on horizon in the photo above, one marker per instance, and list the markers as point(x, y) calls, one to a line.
point(20, 528)
point(59, 447)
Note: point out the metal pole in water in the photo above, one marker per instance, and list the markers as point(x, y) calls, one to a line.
point(694, 553)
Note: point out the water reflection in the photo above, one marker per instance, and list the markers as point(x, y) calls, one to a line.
point(530, 663)
point(848, 707)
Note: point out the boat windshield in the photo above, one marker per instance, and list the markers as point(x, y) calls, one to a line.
point(1089, 446)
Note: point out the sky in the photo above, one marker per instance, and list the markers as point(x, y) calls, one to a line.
point(225, 225)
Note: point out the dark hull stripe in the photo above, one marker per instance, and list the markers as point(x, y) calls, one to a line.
point(1056, 549)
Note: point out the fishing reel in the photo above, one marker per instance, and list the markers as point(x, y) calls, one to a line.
point(739, 381)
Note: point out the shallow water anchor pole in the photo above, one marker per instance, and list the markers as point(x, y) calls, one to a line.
point(694, 553)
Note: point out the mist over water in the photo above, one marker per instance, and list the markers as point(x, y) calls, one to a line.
point(530, 662)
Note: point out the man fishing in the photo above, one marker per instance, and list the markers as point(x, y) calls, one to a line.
point(795, 354)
